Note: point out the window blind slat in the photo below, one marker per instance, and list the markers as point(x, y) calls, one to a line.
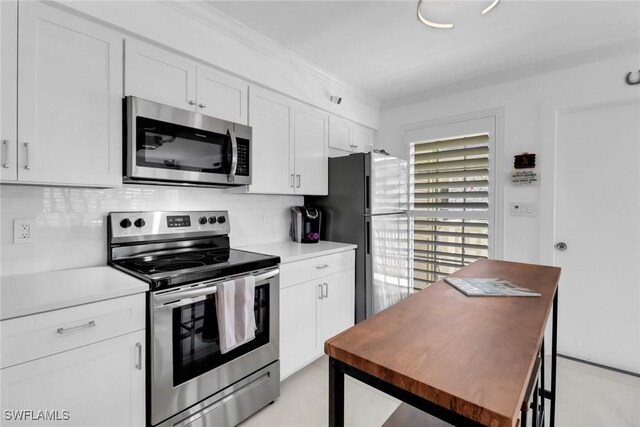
point(451, 195)
point(419, 222)
point(448, 143)
point(449, 233)
point(451, 205)
point(421, 186)
point(451, 154)
point(426, 246)
point(430, 176)
point(452, 164)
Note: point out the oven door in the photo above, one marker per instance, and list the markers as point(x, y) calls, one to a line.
point(169, 144)
point(186, 363)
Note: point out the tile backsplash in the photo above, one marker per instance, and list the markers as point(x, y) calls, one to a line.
point(70, 223)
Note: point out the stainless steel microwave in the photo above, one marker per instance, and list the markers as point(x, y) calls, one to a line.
point(167, 145)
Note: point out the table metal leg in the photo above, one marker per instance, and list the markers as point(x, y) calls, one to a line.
point(554, 359)
point(336, 394)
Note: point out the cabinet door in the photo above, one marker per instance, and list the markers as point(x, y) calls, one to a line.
point(338, 304)
point(339, 134)
point(271, 116)
point(69, 99)
point(310, 142)
point(160, 76)
point(300, 326)
point(361, 138)
point(8, 90)
point(221, 95)
point(101, 384)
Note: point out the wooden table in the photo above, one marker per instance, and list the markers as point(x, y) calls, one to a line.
point(465, 360)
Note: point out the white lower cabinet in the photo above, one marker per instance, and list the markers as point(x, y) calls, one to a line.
point(311, 311)
point(90, 383)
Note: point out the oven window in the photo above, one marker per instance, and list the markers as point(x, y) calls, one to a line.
point(169, 146)
point(196, 344)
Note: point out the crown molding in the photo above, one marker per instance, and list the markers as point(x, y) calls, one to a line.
point(207, 15)
point(516, 73)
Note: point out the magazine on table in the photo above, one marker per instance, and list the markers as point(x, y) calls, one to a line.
point(489, 287)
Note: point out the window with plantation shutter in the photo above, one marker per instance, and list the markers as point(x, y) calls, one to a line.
point(450, 205)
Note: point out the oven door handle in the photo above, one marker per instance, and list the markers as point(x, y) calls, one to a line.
point(234, 155)
point(172, 300)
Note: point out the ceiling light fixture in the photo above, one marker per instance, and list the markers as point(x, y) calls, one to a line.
point(432, 24)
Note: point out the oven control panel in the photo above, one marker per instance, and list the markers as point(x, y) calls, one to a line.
point(135, 225)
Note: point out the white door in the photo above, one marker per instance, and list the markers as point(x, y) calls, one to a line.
point(271, 117)
point(311, 162)
point(101, 384)
point(160, 76)
point(338, 303)
point(300, 326)
point(221, 95)
point(8, 90)
point(340, 134)
point(597, 215)
point(69, 99)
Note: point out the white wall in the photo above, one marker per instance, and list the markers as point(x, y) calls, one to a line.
point(523, 101)
point(71, 231)
point(194, 29)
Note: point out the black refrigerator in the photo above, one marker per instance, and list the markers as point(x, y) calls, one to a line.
point(367, 206)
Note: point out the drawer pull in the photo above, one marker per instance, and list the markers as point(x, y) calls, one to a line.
point(322, 267)
point(320, 294)
point(91, 324)
point(325, 291)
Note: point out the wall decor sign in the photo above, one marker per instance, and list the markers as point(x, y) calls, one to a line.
point(633, 82)
point(525, 178)
point(524, 161)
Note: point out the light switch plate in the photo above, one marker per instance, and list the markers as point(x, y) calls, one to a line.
point(523, 209)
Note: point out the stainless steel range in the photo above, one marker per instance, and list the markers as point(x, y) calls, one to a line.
point(184, 256)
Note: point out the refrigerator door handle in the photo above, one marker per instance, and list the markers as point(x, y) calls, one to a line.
point(367, 193)
point(368, 237)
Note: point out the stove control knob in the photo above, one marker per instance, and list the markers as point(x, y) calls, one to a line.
point(222, 219)
point(212, 220)
point(125, 223)
point(139, 223)
point(202, 220)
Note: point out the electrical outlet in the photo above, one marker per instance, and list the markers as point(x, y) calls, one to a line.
point(23, 231)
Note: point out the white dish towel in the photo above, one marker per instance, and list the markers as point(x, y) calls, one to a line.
point(234, 307)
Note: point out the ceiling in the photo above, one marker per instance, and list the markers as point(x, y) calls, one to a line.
point(382, 48)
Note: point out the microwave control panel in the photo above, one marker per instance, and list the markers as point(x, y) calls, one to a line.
point(243, 157)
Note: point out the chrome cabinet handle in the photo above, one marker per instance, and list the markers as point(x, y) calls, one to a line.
point(26, 156)
point(298, 178)
point(202, 105)
point(192, 102)
point(320, 294)
point(325, 292)
point(76, 328)
point(5, 148)
point(321, 267)
point(292, 181)
point(139, 361)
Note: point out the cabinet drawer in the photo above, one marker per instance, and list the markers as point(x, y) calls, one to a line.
point(31, 337)
point(309, 269)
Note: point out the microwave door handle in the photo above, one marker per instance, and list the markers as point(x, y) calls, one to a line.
point(234, 155)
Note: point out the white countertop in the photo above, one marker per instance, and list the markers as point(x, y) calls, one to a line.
point(35, 293)
point(291, 251)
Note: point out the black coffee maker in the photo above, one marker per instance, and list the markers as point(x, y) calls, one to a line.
point(305, 224)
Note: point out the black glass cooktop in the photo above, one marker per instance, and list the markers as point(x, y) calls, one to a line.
point(185, 267)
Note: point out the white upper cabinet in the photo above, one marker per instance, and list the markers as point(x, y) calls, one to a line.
point(158, 75)
point(271, 120)
point(310, 145)
point(289, 146)
point(161, 76)
point(69, 99)
point(349, 136)
point(221, 95)
point(9, 92)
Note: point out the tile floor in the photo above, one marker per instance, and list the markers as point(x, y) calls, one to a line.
point(587, 396)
